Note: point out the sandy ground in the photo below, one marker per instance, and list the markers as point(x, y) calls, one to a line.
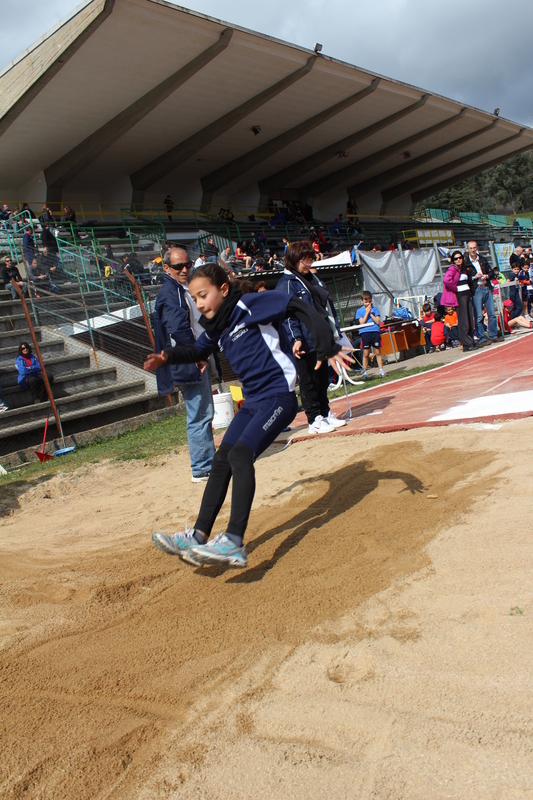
point(368, 651)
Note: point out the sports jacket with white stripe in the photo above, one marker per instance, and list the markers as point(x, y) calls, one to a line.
point(293, 329)
point(246, 329)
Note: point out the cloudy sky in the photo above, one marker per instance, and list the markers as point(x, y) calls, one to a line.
point(475, 51)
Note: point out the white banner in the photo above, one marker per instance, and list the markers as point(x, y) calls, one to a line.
point(382, 271)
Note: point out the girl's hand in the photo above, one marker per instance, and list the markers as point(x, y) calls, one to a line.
point(297, 349)
point(337, 361)
point(154, 361)
point(202, 366)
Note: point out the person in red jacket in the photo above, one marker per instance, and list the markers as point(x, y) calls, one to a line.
point(438, 332)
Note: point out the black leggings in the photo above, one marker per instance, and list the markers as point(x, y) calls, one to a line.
point(254, 428)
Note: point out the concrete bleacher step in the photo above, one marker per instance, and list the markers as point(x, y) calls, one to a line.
point(57, 365)
point(14, 337)
point(50, 348)
point(13, 322)
point(29, 434)
point(106, 393)
point(67, 384)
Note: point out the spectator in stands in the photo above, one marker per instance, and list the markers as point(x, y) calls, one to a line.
point(49, 263)
point(438, 332)
point(451, 324)
point(30, 376)
point(515, 292)
point(5, 213)
point(3, 406)
point(428, 319)
point(392, 245)
point(298, 281)
point(243, 255)
point(28, 245)
point(258, 265)
point(228, 260)
point(200, 261)
point(530, 286)
point(48, 239)
point(46, 218)
point(261, 286)
point(40, 277)
point(28, 213)
point(512, 317)
point(244, 285)
point(450, 299)
point(377, 249)
point(230, 216)
point(211, 251)
point(327, 247)
point(370, 335)
point(481, 275)
point(10, 272)
point(174, 324)
point(518, 258)
point(168, 202)
point(286, 243)
point(69, 215)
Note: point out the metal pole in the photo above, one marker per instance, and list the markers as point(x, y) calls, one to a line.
point(141, 305)
point(406, 271)
point(145, 317)
point(39, 356)
point(436, 249)
point(88, 323)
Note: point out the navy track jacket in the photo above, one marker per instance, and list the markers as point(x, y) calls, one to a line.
point(293, 329)
point(251, 343)
point(172, 326)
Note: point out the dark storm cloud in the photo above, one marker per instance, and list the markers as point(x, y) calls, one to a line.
point(474, 51)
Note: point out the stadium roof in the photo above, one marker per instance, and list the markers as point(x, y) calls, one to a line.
point(132, 99)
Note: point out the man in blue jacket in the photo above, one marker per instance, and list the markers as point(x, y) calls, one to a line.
point(173, 325)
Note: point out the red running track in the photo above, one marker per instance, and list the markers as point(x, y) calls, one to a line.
point(495, 383)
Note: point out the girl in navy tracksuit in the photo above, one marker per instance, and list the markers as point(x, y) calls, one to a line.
point(245, 328)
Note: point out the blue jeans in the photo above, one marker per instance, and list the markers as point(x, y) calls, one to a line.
point(212, 259)
point(199, 404)
point(483, 297)
point(14, 292)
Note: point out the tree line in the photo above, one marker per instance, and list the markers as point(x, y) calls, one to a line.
point(506, 188)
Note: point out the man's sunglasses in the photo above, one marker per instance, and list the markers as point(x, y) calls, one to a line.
point(181, 266)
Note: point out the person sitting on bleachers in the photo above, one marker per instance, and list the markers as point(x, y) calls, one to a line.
point(243, 255)
point(452, 326)
point(40, 277)
point(69, 215)
point(9, 272)
point(30, 376)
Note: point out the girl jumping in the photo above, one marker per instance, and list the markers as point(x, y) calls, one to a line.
point(245, 328)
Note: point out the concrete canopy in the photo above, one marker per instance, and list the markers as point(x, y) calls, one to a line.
point(135, 99)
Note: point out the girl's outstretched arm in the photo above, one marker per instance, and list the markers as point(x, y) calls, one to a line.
point(321, 334)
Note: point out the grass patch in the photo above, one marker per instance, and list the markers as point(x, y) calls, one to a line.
point(147, 442)
point(377, 381)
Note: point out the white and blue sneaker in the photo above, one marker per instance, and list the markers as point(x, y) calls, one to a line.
point(178, 544)
point(221, 552)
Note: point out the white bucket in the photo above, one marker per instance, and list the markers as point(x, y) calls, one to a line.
point(223, 410)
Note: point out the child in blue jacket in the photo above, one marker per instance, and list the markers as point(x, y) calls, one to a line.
point(245, 328)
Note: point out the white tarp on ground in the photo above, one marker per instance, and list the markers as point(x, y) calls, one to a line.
point(387, 270)
point(342, 258)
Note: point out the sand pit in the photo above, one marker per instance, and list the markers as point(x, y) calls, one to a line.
point(367, 651)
